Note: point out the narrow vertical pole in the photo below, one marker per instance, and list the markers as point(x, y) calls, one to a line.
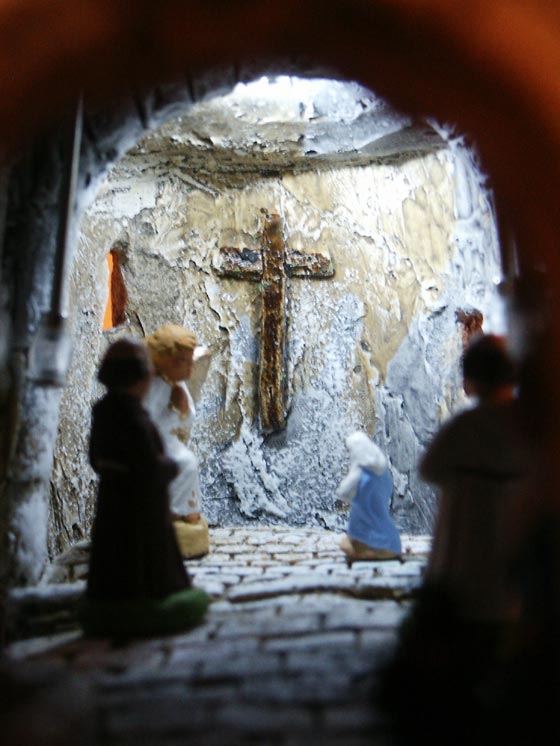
point(51, 349)
point(67, 206)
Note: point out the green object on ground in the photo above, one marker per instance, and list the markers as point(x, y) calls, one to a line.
point(143, 617)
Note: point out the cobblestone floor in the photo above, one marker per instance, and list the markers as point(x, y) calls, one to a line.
point(287, 654)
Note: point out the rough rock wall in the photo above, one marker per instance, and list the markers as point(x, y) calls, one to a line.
point(423, 385)
point(29, 418)
point(375, 347)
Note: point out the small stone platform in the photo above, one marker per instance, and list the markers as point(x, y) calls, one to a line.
point(287, 655)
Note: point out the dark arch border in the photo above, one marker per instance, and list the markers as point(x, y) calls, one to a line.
point(491, 67)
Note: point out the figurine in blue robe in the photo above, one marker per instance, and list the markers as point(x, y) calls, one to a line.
point(372, 533)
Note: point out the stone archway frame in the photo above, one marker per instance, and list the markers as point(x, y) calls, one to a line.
point(492, 68)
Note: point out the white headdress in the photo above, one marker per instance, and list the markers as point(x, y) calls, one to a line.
point(363, 454)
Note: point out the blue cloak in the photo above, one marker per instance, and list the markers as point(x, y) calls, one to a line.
point(370, 518)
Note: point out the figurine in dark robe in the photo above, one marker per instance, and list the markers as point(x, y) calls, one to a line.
point(480, 461)
point(137, 582)
point(455, 643)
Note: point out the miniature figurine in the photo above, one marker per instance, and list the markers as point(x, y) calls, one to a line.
point(480, 464)
point(171, 405)
point(372, 534)
point(137, 583)
point(455, 644)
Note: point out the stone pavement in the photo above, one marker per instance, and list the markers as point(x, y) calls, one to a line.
point(287, 655)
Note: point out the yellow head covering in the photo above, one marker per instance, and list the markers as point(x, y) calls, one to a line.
point(169, 339)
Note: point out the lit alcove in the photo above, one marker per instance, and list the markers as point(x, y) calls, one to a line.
point(115, 309)
point(397, 209)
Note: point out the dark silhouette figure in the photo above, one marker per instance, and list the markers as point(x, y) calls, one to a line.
point(135, 561)
point(457, 644)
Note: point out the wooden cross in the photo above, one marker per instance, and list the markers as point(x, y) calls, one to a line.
point(270, 265)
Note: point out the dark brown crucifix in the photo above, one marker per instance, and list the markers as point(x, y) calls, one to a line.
point(270, 266)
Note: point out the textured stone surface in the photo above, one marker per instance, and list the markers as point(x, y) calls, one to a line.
point(245, 571)
point(373, 348)
point(291, 667)
point(269, 267)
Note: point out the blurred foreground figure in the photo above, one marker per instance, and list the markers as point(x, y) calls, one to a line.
point(458, 643)
point(137, 583)
point(480, 463)
point(42, 704)
point(368, 486)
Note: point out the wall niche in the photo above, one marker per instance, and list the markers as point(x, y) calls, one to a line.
point(399, 212)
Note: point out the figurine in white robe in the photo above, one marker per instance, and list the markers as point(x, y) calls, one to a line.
point(177, 359)
point(184, 492)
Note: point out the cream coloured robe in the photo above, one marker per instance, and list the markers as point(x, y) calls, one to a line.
point(184, 490)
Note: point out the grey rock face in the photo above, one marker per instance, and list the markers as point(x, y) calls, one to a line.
point(374, 348)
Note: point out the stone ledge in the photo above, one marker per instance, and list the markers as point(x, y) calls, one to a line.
point(254, 549)
point(246, 566)
point(286, 656)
